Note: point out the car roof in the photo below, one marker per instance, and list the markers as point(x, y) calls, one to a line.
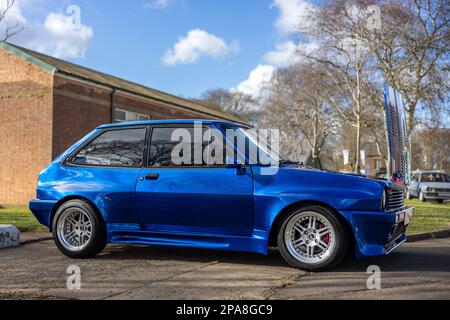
point(175, 121)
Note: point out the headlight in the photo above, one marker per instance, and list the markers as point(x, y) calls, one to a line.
point(384, 201)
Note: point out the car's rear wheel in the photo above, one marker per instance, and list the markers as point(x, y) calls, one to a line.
point(441, 201)
point(78, 230)
point(312, 238)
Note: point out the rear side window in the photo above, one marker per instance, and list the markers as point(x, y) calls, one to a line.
point(117, 148)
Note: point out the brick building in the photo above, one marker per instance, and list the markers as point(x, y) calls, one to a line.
point(47, 104)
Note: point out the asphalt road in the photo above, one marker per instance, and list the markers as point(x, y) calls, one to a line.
point(418, 270)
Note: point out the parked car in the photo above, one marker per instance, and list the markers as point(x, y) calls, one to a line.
point(429, 185)
point(119, 185)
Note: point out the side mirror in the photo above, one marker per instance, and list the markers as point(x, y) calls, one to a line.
point(240, 168)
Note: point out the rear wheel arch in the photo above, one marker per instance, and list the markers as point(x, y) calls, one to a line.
point(69, 198)
point(276, 224)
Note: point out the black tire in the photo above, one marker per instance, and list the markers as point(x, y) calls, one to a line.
point(96, 242)
point(343, 239)
point(440, 201)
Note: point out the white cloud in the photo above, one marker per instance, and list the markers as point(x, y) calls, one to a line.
point(158, 4)
point(288, 53)
point(197, 43)
point(62, 39)
point(293, 14)
point(59, 35)
point(256, 81)
point(285, 54)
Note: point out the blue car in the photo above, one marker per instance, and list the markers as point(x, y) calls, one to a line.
point(121, 185)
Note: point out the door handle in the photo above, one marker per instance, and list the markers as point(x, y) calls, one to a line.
point(152, 176)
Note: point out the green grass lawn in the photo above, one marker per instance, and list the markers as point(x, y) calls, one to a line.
point(429, 217)
point(21, 217)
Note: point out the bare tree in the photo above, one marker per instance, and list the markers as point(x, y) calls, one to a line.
point(434, 148)
point(410, 47)
point(232, 102)
point(347, 62)
point(298, 105)
point(8, 28)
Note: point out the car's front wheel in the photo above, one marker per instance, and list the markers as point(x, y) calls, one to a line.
point(312, 238)
point(78, 230)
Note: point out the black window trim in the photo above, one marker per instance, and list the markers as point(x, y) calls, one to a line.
point(179, 126)
point(67, 162)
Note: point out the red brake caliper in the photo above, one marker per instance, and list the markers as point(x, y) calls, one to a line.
point(325, 238)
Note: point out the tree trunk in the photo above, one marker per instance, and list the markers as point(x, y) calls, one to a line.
point(358, 148)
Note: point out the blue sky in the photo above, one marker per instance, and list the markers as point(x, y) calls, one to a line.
point(184, 47)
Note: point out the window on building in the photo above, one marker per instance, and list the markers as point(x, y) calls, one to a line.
point(128, 116)
point(116, 148)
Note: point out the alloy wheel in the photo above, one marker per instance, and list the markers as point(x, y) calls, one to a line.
point(310, 237)
point(74, 229)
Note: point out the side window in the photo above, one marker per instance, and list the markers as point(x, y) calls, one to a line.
point(176, 147)
point(116, 148)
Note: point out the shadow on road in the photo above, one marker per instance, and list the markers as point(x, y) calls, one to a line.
point(190, 254)
point(405, 259)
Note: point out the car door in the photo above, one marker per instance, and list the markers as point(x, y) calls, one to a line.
point(190, 197)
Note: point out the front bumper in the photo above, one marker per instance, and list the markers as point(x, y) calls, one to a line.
point(379, 233)
point(397, 235)
point(432, 195)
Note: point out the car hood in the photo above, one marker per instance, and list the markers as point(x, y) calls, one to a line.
point(399, 158)
point(328, 179)
point(340, 191)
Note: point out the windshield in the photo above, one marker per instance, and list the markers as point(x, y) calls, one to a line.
point(435, 177)
point(261, 146)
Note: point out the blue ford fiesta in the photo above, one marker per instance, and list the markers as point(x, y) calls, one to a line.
point(122, 185)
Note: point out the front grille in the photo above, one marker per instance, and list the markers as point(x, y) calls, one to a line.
point(395, 200)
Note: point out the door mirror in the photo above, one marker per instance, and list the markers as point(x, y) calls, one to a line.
point(234, 162)
point(240, 168)
point(235, 166)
